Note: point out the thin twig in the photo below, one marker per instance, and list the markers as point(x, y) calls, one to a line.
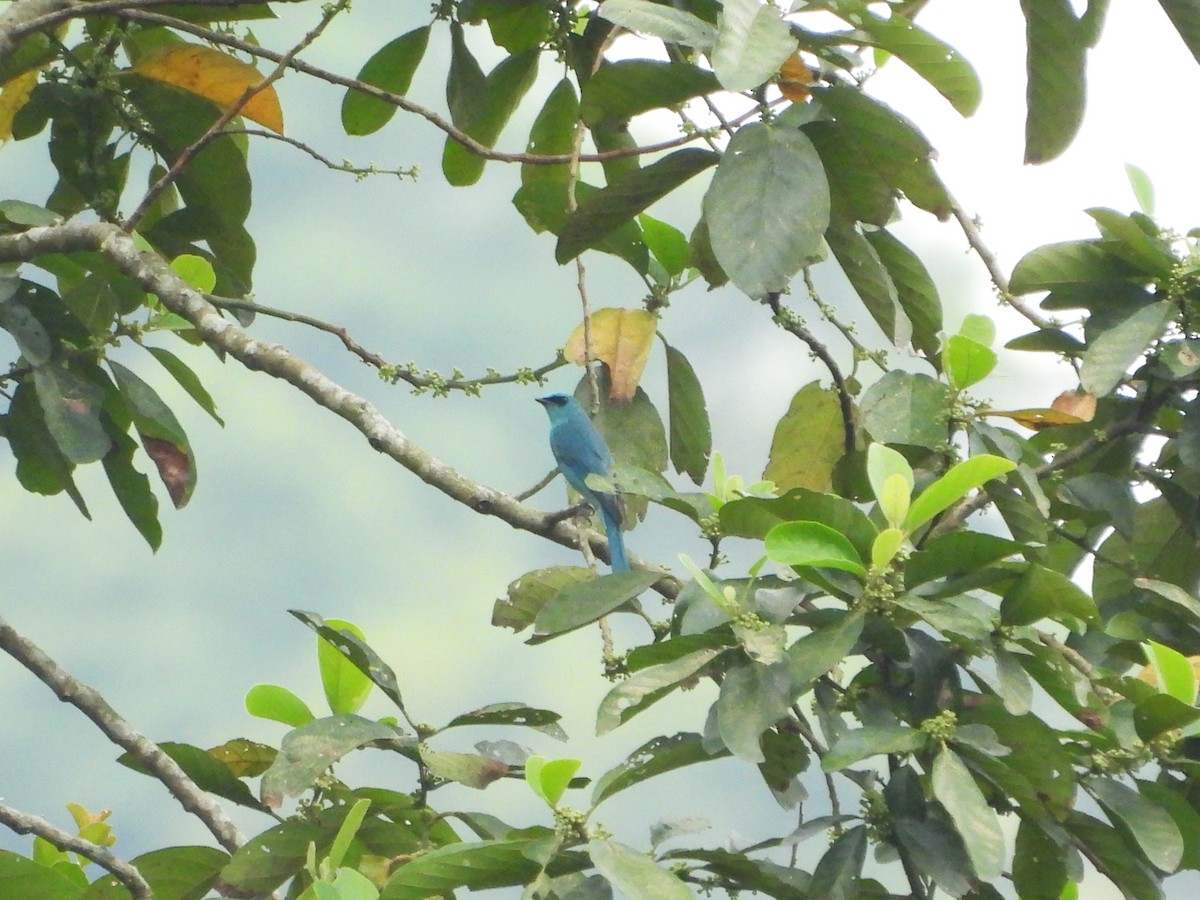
point(992, 264)
point(359, 172)
point(89, 701)
point(787, 321)
point(23, 823)
point(184, 159)
point(394, 372)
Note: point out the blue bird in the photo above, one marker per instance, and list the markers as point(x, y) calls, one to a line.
point(580, 451)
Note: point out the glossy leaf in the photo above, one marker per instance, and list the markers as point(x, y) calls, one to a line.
point(812, 544)
point(656, 757)
point(647, 686)
point(635, 874)
point(675, 26)
point(1056, 85)
point(752, 43)
point(1044, 593)
point(962, 478)
point(753, 697)
point(161, 434)
point(132, 488)
point(903, 408)
point(691, 434)
point(915, 291)
point(966, 362)
point(602, 213)
point(767, 207)
point(581, 604)
point(188, 380)
point(208, 772)
point(549, 778)
point(870, 279)
point(808, 441)
point(357, 651)
point(179, 872)
point(1067, 264)
point(836, 875)
point(484, 118)
point(391, 69)
point(1152, 828)
point(976, 822)
point(626, 88)
point(1115, 350)
point(816, 653)
point(937, 62)
point(346, 688)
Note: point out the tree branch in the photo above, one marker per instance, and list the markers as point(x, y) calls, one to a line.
point(89, 701)
point(787, 320)
point(23, 823)
point(154, 275)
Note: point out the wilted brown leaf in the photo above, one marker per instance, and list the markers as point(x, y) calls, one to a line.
point(794, 78)
point(174, 468)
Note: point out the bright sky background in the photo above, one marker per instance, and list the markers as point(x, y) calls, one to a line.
point(293, 509)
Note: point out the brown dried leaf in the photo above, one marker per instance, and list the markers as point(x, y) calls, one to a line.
point(794, 78)
point(174, 468)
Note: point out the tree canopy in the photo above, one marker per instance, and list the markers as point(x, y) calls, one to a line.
point(991, 704)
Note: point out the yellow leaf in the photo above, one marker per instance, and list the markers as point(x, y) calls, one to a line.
point(1036, 418)
point(808, 442)
point(621, 339)
point(13, 96)
point(1077, 403)
point(216, 76)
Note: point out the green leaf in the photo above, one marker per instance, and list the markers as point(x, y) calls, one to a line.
point(812, 544)
point(691, 435)
point(1114, 857)
point(1118, 347)
point(1013, 684)
point(915, 291)
point(816, 653)
point(208, 772)
point(71, 406)
point(602, 213)
point(173, 872)
point(882, 464)
point(1139, 181)
point(161, 434)
point(624, 89)
point(391, 68)
point(1055, 68)
point(188, 380)
point(753, 517)
point(666, 242)
point(1037, 871)
point(1160, 713)
point(889, 143)
point(966, 362)
point(903, 408)
point(675, 26)
point(937, 62)
point(656, 757)
point(132, 488)
point(1067, 264)
point(1186, 18)
point(543, 720)
point(266, 861)
point(962, 478)
point(855, 185)
point(870, 280)
point(475, 865)
point(809, 440)
point(958, 551)
point(1127, 239)
point(976, 822)
point(308, 751)
point(553, 133)
point(270, 701)
point(471, 769)
point(836, 875)
point(18, 212)
point(752, 43)
point(503, 89)
point(584, 602)
point(647, 686)
point(23, 878)
point(1175, 673)
point(529, 593)
point(466, 85)
point(767, 207)
point(357, 651)
point(753, 698)
point(1043, 593)
point(549, 778)
point(41, 466)
point(31, 337)
point(887, 545)
point(635, 874)
point(862, 743)
point(346, 688)
point(1151, 826)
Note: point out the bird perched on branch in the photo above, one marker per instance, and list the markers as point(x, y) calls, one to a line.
point(580, 451)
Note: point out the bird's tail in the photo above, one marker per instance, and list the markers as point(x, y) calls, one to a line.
point(616, 543)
